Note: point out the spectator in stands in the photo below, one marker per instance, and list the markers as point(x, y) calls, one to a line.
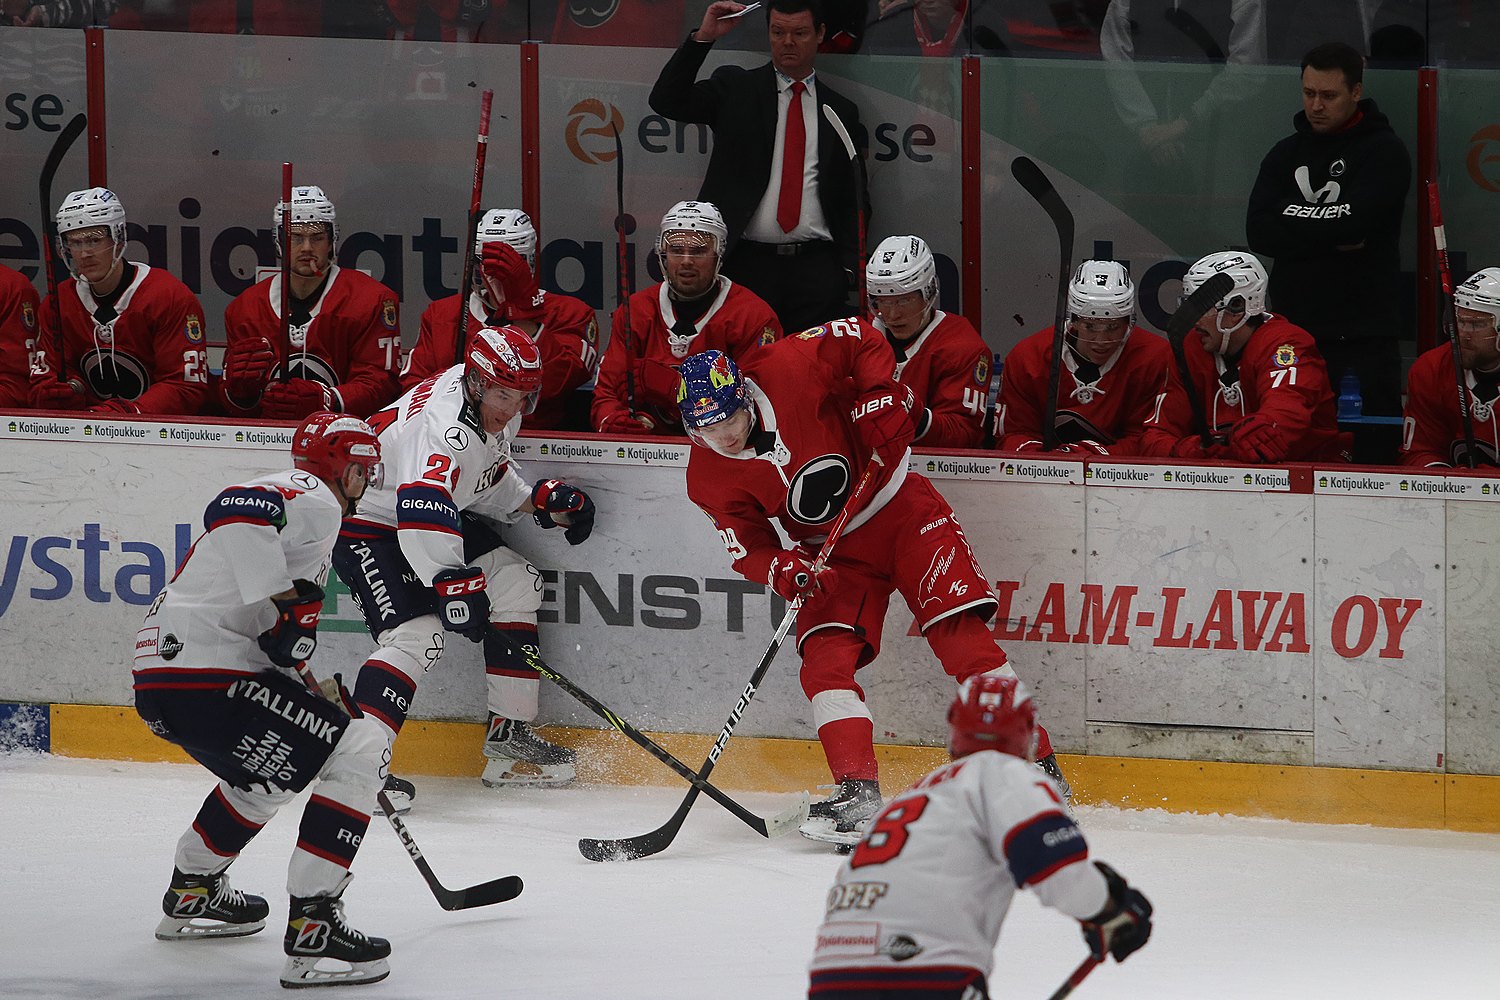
point(694, 309)
point(1113, 374)
point(18, 332)
point(345, 330)
point(133, 338)
point(505, 293)
point(1435, 431)
point(944, 28)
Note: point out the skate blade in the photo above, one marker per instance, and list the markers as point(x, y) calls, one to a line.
point(179, 929)
point(825, 831)
point(519, 773)
point(302, 972)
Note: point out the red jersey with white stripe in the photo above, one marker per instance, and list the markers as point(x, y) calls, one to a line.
point(18, 332)
point(1434, 432)
point(948, 366)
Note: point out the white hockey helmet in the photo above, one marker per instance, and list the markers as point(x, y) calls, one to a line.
point(507, 225)
point(901, 264)
point(1481, 292)
point(86, 210)
point(1101, 289)
point(310, 205)
point(1247, 296)
point(699, 217)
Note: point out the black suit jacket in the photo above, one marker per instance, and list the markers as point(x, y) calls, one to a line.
point(739, 106)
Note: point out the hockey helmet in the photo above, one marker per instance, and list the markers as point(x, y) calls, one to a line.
point(310, 205)
point(692, 225)
point(992, 712)
point(328, 443)
point(504, 357)
point(1247, 297)
point(1101, 289)
point(899, 265)
point(507, 225)
point(1480, 292)
point(712, 390)
point(94, 207)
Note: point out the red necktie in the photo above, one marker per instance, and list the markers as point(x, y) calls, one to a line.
point(789, 202)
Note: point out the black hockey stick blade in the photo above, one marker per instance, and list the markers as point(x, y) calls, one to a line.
point(484, 894)
point(1188, 313)
point(1030, 177)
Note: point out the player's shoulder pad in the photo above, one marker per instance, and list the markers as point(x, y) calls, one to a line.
point(261, 505)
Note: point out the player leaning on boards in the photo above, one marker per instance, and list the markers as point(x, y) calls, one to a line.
point(424, 555)
point(786, 440)
point(1434, 423)
point(916, 910)
point(221, 671)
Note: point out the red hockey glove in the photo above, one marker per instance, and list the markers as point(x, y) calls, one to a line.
point(627, 423)
point(508, 271)
point(296, 399)
point(656, 382)
point(293, 638)
point(54, 395)
point(1257, 439)
point(792, 576)
point(555, 497)
point(115, 405)
point(1193, 449)
point(247, 368)
point(883, 422)
point(1124, 925)
point(1084, 447)
point(463, 605)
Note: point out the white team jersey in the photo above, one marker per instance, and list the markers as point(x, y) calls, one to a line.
point(259, 536)
point(438, 461)
point(933, 876)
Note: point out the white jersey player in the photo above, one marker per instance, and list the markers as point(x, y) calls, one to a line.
point(424, 556)
point(916, 910)
point(221, 670)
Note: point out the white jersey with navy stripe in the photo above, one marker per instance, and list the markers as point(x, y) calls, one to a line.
point(439, 461)
point(258, 537)
point(932, 879)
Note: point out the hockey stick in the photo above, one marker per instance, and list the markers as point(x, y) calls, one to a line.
point(1030, 177)
point(484, 894)
point(466, 279)
point(1450, 323)
point(285, 236)
point(1079, 975)
point(777, 825)
point(622, 273)
point(658, 840)
point(50, 166)
point(860, 197)
point(1188, 313)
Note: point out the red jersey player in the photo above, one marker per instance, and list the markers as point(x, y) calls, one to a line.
point(345, 330)
point(694, 309)
point(1114, 373)
point(939, 355)
point(1434, 431)
point(505, 293)
point(1263, 383)
point(18, 332)
point(785, 441)
point(133, 337)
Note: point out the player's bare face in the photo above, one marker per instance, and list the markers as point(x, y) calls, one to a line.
point(93, 253)
point(499, 406)
point(690, 268)
point(1328, 100)
point(312, 246)
point(727, 437)
point(1097, 340)
point(903, 315)
point(1477, 339)
point(794, 42)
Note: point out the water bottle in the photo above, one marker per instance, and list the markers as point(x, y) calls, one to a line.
point(1351, 404)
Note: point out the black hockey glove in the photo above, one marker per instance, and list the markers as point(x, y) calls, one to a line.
point(463, 605)
point(293, 638)
point(1123, 925)
point(553, 496)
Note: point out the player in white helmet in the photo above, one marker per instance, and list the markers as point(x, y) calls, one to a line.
point(425, 557)
point(938, 354)
point(1262, 385)
point(133, 338)
point(916, 911)
point(695, 308)
point(1112, 373)
point(505, 292)
point(345, 329)
point(222, 665)
point(1435, 434)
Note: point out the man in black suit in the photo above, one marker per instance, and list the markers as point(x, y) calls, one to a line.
point(794, 236)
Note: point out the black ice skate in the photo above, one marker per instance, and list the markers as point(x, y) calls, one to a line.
point(401, 793)
point(516, 755)
point(841, 818)
point(204, 906)
point(1049, 764)
point(323, 950)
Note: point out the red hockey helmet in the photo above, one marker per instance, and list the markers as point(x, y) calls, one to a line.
point(328, 443)
point(992, 712)
point(504, 356)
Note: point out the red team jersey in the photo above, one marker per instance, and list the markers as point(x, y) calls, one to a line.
point(352, 343)
point(568, 339)
point(18, 329)
point(736, 323)
point(948, 366)
point(147, 348)
point(1280, 375)
point(1434, 426)
point(1112, 410)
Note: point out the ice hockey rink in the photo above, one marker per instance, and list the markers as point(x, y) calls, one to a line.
point(1245, 908)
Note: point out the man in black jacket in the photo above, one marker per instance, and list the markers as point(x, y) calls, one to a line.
point(794, 234)
point(1327, 206)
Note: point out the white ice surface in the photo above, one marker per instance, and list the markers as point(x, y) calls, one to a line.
point(1245, 908)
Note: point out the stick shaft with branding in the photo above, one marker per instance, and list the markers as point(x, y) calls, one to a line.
point(1189, 312)
point(285, 236)
point(1450, 323)
point(1030, 177)
point(50, 166)
point(622, 273)
point(658, 840)
point(471, 233)
point(485, 894)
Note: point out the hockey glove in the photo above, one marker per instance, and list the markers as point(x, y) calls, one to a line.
point(55, 395)
point(1257, 439)
point(792, 576)
point(1084, 447)
point(1124, 925)
point(247, 368)
point(115, 405)
point(883, 422)
point(554, 497)
point(627, 423)
point(1193, 449)
point(463, 605)
point(504, 268)
point(656, 382)
point(296, 399)
point(1032, 445)
point(291, 641)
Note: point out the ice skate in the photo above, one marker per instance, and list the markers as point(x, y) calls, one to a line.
point(1049, 764)
point(516, 755)
point(401, 792)
point(323, 950)
point(204, 906)
point(841, 818)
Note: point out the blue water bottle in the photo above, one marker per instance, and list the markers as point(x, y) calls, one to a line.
point(1351, 404)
